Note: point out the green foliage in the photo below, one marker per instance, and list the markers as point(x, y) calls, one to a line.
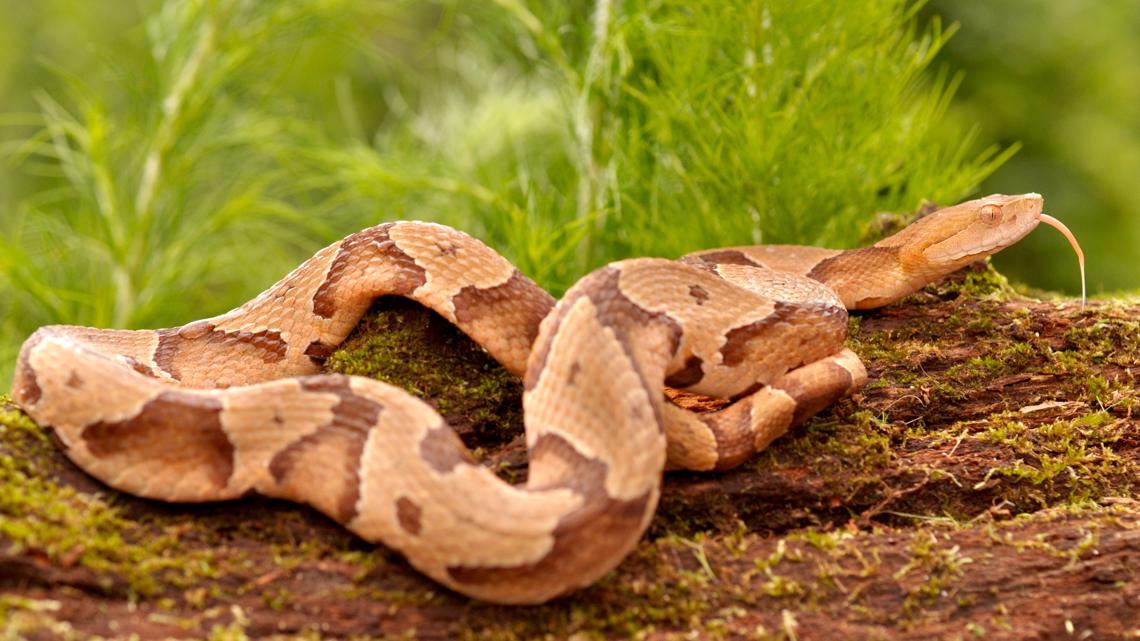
point(791, 122)
point(1063, 78)
point(192, 161)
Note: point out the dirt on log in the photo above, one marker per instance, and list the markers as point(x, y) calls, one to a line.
point(984, 484)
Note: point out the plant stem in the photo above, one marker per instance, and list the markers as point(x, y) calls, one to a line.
point(586, 124)
point(163, 138)
point(171, 110)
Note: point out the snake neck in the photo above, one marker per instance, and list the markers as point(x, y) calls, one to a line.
point(928, 249)
point(866, 277)
point(881, 274)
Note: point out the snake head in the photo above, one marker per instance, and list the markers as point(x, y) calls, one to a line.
point(956, 236)
point(953, 237)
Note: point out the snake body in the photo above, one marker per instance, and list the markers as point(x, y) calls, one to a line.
point(235, 404)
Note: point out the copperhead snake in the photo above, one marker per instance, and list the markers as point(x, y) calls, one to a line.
point(236, 404)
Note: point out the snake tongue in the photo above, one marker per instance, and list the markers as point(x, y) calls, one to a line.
point(1059, 226)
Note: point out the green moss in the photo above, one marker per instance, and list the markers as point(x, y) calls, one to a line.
point(1085, 357)
point(980, 325)
point(1070, 459)
point(22, 618)
point(980, 282)
point(19, 435)
point(978, 368)
point(941, 565)
point(667, 589)
point(406, 345)
point(82, 529)
point(234, 631)
point(781, 587)
point(1105, 339)
point(859, 442)
point(825, 541)
point(1024, 539)
point(276, 598)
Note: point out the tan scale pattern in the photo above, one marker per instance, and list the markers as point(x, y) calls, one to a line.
point(228, 405)
point(460, 273)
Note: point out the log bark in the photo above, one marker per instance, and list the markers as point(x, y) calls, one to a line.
point(983, 485)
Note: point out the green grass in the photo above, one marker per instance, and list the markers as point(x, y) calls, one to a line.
point(174, 170)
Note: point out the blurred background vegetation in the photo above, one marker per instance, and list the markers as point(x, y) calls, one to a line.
point(165, 160)
point(1062, 77)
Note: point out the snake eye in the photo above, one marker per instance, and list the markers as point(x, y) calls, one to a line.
point(990, 214)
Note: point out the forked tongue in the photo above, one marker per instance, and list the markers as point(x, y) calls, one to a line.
point(1059, 226)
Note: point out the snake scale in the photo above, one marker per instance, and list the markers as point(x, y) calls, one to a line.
point(237, 404)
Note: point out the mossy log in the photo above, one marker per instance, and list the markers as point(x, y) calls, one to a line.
point(984, 484)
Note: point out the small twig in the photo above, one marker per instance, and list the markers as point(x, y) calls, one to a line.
point(865, 517)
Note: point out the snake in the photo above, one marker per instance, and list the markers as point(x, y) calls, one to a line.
point(239, 403)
